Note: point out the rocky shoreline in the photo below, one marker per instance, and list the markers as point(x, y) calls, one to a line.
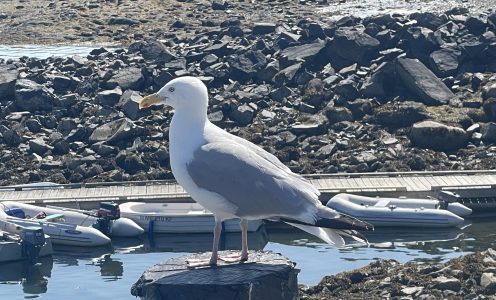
point(468, 277)
point(384, 93)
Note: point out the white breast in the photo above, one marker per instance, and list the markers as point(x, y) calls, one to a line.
point(184, 139)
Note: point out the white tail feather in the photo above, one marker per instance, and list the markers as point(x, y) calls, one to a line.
point(329, 236)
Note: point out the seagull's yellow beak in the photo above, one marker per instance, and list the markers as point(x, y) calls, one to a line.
point(149, 101)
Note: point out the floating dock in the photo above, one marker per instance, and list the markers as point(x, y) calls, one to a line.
point(477, 188)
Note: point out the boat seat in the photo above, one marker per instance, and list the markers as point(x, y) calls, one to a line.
point(53, 216)
point(382, 203)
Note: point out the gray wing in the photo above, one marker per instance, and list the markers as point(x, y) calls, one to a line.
point(257, 187)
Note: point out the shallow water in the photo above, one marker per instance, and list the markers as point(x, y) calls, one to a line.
point(45, 51)
point(363, 9)
point(82, 273)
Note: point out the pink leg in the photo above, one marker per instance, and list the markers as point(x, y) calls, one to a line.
point(194, 263)
point(244, 245)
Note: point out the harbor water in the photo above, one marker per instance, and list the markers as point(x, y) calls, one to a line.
point(109, 272)
point(45, 51)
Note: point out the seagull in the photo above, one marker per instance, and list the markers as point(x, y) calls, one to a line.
point(234, 178)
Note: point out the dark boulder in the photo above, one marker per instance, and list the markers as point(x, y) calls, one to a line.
point(8, 79)
point(445, 62)
point(422, 82)
point(219, 5)
point(130, 162)
point(109, 97)
point(129, 104)
point(354, 45)
point(152, 50)
point(311, 54)
point(338, 114)
point(115, 131)
point(488, 132)
point(243, 115)
point(381, 83)
point(39, 146)
point(32, 96)
point(128, 78)
point(246, 66)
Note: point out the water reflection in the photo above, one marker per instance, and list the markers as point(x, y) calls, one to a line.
point(33, 277)
point(124, 261)
point(110, 269)
point(200, 242)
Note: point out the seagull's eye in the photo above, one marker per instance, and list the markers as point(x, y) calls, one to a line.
point(171, 89)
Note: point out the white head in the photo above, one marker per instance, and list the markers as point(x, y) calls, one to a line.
point(183, 93)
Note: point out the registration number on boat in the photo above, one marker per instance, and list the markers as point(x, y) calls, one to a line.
point(156, 218)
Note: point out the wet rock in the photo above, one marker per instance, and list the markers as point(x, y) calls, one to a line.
point(128, 78)
point(61, 147)
point(437, 136)
point(131, 163)
point(8, 79)
point(490, 108)
point(61, 83)
point(379, 84)
point(31, 96)
point(354, 45)
point(243, 115)
point(422, 82)
point(347, 89)
point(11, 137)
point(39, 146)
point(338, 114)
point(308, 53)
point(129, 103)
point(287, 75)
point(219, 5)
point(152, 50)
point(246, 66)
point(280, 94)
point(429, 20)
point(33, 125)
point(488, 132)
point(445, 62)
point(109, 97)
point(115, 131)
point(326, 151)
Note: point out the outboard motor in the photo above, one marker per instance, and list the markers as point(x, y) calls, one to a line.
point(447, 197)
point(108, 211)
point(32, 239)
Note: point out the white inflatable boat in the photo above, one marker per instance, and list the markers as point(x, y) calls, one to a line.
point(60, 233)
point(177, 218)
point(403, 212)
point(30, 244)
point(115, 226)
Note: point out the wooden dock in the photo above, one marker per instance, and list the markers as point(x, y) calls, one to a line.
point(478, 187)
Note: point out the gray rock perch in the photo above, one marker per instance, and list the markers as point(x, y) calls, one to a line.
point(266, 275)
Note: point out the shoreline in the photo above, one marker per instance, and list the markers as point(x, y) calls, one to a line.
point(467, 277)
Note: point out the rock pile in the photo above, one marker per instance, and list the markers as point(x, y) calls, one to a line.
point(384, 93)
point(467, 277)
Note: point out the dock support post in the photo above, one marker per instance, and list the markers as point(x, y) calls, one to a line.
point(265, 276)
